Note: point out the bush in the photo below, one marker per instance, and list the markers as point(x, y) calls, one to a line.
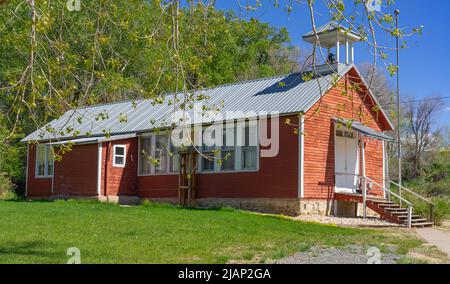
point(7, 188)
point(441, 209)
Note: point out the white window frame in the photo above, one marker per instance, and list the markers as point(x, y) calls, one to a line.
point(36, 166)
point(124, 156)
point(237, 153)
point(153, 172)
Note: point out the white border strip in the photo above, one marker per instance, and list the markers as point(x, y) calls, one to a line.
point(301, 158)
point(99, 169)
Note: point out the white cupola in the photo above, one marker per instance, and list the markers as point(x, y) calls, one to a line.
point(332, 36)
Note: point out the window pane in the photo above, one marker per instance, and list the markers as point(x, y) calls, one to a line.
point(144, 155)
point(41, 160)
point(161, 153)
point(50, 168)
point(174, 162)
point(249, 158)
point(174, 157)
point(119, 160)
point(120, 151)
point(227, 160)
point(208, 162)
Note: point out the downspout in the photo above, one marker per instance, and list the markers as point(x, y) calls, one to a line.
point(106, 168)
point(53, 174)
point(26, 171)
point(363, 175)
point(99, 169)
point(301, 156)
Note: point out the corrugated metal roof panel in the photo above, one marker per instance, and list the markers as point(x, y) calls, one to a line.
point(283, 94)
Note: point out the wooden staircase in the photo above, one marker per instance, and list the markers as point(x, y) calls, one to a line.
point(388, 210)
point(394, 213)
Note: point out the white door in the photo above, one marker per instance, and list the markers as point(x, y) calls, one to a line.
point(346, 161)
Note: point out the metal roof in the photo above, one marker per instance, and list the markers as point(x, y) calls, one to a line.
point(328, 27)
point(282, 94)
point(331, 27)
point(94, 140)
point(363, 129)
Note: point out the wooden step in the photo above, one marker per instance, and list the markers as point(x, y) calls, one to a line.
point(389, 205)
point(423, 224)
point(413, 217)
point(399, 213)
point(423, 220)
point(396, 210)
point(378, 202)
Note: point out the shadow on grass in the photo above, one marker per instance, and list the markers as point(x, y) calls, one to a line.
point(28, 248)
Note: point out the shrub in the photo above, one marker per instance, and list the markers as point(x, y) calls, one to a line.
point(441, 209)
point(6, 187)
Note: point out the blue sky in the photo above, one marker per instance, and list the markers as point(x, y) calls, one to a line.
point(424, 64)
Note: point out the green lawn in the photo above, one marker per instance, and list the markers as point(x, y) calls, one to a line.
point(41, 232)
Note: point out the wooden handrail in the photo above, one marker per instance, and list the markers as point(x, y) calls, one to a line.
point(389, 191)
point(412, 192)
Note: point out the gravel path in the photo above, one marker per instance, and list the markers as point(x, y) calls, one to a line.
point(350, 255)
point(351, 222)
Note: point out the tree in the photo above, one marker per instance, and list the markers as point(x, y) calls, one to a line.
point(421, 133)
point(380, 87)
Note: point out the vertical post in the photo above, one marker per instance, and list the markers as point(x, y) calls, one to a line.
point(363, 176)
point(352, 52)
point(338, 52)
point(328, 55)
point(431, 213)
point(347, 60)
point(399, 144)
point(409, 216)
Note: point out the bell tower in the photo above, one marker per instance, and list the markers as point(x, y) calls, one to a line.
point(331, 37)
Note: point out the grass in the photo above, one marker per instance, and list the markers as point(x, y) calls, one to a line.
point(41, 232)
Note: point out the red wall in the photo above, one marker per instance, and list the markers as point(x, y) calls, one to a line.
point(119, 181)
point(36, 187)
point(277, 177)
point(76, 173)
point(319, 136)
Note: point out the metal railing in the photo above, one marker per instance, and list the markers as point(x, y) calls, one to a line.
point(363, 181)
point(430, 203)
point(410, 205)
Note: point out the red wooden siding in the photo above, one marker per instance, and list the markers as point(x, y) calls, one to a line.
point(119, 181)
point(36, 187)
point(319, 136)
point(76, 173)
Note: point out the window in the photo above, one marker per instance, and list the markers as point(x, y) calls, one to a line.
point(208, 152)
point(228, 149)
point(345, 133)
point(157, 155)
point(44, 161)
point(119, 156)
point(161, 153)
point(249, 146)
point(239, 150)
point(174, 159)
point(144, 155)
